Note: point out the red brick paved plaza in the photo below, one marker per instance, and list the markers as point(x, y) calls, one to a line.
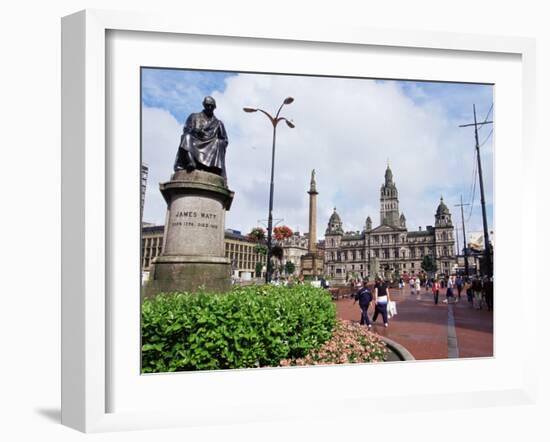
point(423, 327)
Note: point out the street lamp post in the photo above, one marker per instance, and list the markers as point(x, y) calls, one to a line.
point(487, 252)
point(274, 121)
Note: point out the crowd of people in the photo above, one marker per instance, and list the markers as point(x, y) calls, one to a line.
point(478, 290)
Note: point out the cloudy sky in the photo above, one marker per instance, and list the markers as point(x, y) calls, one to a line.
point(346, 129)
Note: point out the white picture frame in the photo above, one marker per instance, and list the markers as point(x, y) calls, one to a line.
point(87, 211)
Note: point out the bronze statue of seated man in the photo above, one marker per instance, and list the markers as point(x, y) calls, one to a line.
point(203, 143)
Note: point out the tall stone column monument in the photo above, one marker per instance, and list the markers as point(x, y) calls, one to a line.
point(197, 197)
point(312, 246)
point(311, 262)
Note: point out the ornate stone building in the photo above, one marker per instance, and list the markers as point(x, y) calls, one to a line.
point(294, 248)
point(389, 246)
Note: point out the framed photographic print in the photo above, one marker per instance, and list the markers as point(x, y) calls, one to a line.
point(346, 190)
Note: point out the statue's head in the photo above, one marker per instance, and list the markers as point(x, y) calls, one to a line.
point(209, 105)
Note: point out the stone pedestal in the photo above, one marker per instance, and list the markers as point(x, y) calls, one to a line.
point(193, 253)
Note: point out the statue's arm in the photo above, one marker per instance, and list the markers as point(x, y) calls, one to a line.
point(190, 126)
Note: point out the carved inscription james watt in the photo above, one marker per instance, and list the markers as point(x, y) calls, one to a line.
point(193, 218)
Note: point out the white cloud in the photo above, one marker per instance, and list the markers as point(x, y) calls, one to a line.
point(346, 130)
point(160, 139)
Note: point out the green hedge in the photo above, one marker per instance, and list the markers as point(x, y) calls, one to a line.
point(248, 327)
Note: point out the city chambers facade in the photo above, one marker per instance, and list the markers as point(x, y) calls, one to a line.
point(389, 247)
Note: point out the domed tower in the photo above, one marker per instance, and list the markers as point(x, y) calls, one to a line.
point(368, 224)
point(334, 225)
point(333, 236)
point(443, 215)
point(444, 239)
point(389, 202)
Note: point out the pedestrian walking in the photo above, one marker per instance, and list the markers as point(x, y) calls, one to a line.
point(459, 283)
point(469, 290)
point(417, 288)
point(449, 289)
point(364, 296)
point(435, 290)
point(411, 284)
point(381, 299)
point(477, 287)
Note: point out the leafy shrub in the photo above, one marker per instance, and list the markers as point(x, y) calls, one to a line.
point(350, 343)
point(248, 327)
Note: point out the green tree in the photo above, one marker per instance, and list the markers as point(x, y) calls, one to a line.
point(290, 267)
point(396, 275)
point(258, 269)
point(260, 249)
point(428, 264)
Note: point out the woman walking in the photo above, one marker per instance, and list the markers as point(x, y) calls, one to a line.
point(411, 284)
point(435, 290)
point(449, 289)
point(469, 291)
point(381, 299)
